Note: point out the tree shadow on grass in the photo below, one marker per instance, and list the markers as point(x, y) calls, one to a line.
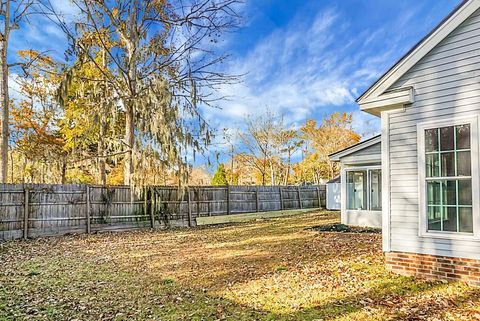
point(252, 258)
point(69, 287)
point(184, 276)
point(87, 291)
point(400, 299)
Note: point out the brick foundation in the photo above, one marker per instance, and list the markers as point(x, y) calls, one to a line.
point(434, 267)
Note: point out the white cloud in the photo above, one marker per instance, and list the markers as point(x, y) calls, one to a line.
point(366, 124)
point(14, 90)
point(65, 8)
point(307, 69)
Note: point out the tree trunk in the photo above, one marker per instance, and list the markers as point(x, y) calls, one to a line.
point(103, 129)
point(330, 166)
point(272, 174)
point(22, 173)
point(4, 96)
point(63, 172)
point(130, 141)
point(12, 168)
point(289, 164)
point(132, 43)
point(101, 151)
point(32, 173)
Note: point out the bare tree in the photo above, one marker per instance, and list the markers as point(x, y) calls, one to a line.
point(260, 140)
point(288, 142)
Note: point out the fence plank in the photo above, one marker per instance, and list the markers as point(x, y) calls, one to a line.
point(228, 200)
point(88, 209)
point(59, 209)
point(300, 205)
point(189, 207)
point(152, 207)
point(26, 212)
point(318, 197)
point(281, 198)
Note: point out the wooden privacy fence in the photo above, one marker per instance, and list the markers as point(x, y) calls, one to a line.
point(40, 210)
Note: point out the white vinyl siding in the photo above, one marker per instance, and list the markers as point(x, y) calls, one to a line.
point(370, 150)
point(446, 84)
point(369, 155)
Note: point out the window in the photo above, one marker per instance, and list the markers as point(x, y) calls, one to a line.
point(364, 190)
point(357, 190)
point(446, 180)
point(376, 190)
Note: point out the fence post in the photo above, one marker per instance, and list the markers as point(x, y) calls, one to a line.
point(318, 196)
point(256, 199)
point(209, 208)
point(281, 197)
point(87, 204)
point(228, 199)
point(145, 209)
point(189, 207)
point(198, 201)
point(299, 198)
point(26, 213)
point(152, 207)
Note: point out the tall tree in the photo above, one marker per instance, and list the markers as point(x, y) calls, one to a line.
point(333, 134)
point(288, 142)
point(11, 14)
point(163, 64)
point(35, 118)
point(259, 140)
point(220, 176)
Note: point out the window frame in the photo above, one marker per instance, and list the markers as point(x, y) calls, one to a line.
point(367, 169)
point(364, 188)
point(422, 179)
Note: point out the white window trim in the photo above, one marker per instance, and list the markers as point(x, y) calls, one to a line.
point(344, 189)
point(445, 122)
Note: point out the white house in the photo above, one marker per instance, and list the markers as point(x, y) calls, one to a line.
point(361, 183)
point(429, 105)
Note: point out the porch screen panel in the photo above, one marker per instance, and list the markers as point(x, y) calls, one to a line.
point(357, 190)
point(376, 190)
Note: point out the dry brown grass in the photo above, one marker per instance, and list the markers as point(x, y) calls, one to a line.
point(267, 270)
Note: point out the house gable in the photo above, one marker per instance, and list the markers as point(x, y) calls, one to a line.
point(382, 95)
point(370, 148)
point(446, 83)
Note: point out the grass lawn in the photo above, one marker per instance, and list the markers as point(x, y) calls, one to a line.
point(276, 269)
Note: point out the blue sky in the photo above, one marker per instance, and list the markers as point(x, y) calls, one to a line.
point(302, 59)
point(307, 59)
point(311, 58)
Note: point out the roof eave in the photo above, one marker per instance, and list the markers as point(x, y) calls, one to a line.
point(388, 101)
